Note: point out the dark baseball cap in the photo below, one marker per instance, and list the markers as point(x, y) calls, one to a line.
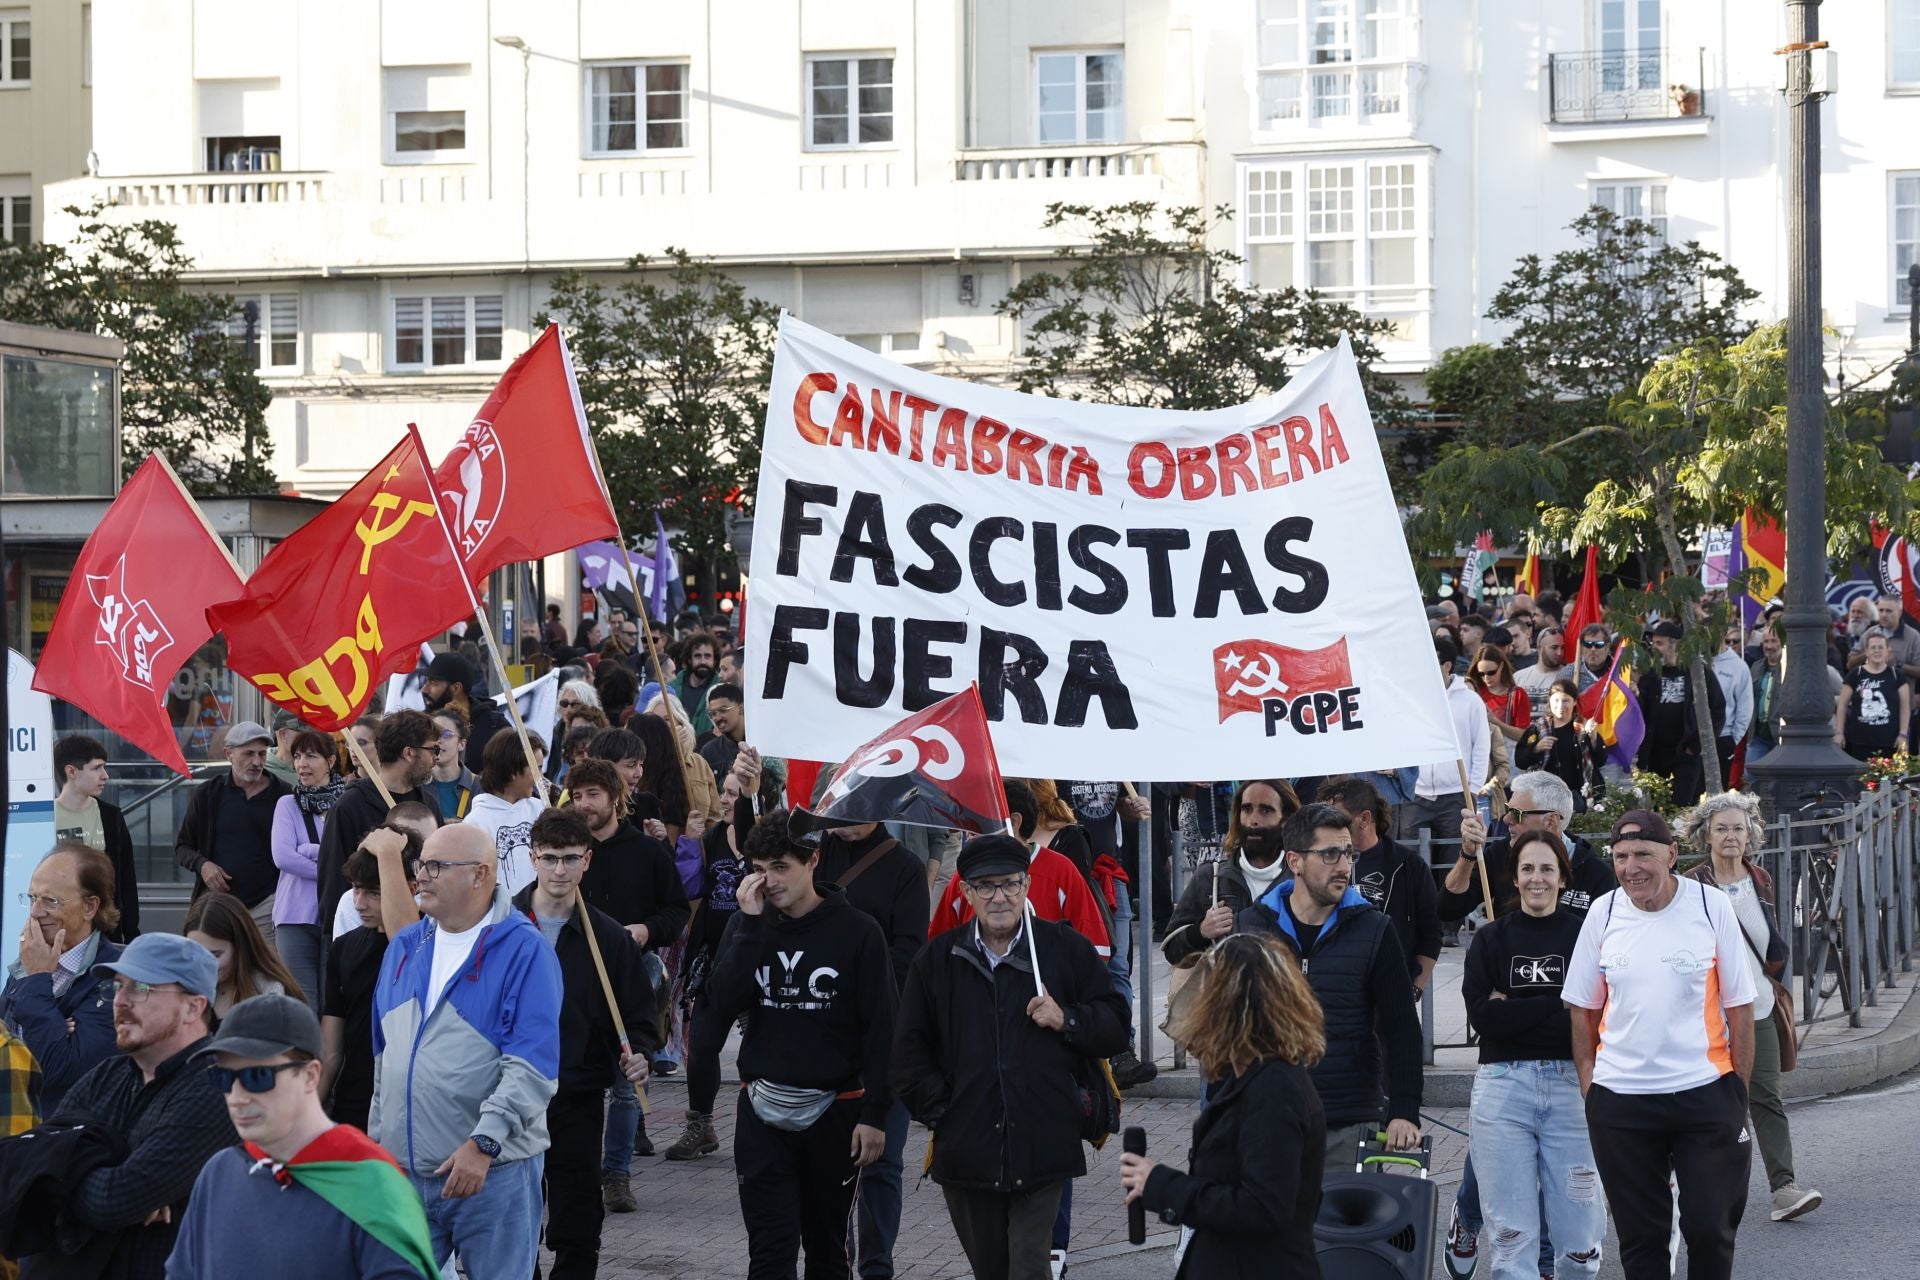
point(1641, 824)
point(454, 669)
point(1666, 629)
point(154, 958)
point(991, 855)
point(267, 1025)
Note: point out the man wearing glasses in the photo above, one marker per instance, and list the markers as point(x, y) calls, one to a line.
point(592, 1057)
point(1538, 801)
point(1353, 962)
point(254, 1209)
point(156, 1099)
point(52, 1001)
point(1596, 656)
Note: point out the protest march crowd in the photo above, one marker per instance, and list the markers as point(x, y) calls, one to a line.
point(435, 958)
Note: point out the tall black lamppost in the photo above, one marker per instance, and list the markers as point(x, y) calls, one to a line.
point(250, 316)
point(1806, 758)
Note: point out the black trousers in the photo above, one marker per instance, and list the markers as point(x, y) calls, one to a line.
point(1006, 1236)
point(1701, 1137)
point(796, 1189)
point(575, 1119)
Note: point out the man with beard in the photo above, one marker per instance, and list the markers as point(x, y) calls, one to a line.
point(450, 683)
point(1672, 745)
point(1216, 895)
point(1357, 971)
point(404, 744)
point(727, 710)
point(698, 656)
point(1392, 878)
point(157, 1101)
point(226, 838)
point(1550, 655)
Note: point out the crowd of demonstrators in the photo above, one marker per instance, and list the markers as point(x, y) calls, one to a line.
point(55, 1003)
point(298, 820)
point(226, 838)
point(82, 816)
point(246, 962)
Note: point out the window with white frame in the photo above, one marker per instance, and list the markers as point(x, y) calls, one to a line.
point(266, 328)
point(634, 107)
point(16, 211)
point(1906, 233)
point(903, 345)
point(1644, 201)
point(1077, 97)
point(426, 111)
point(1903, 44)
point(16, 47)
point(849, 101)
point(446, 331)
point(1330, 62)
point(1353, 228)
point(1629, 40)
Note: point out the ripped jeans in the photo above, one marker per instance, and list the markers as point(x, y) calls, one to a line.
point(1530, 1148)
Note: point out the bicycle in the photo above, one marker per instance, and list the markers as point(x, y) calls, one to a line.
point(1824, 913)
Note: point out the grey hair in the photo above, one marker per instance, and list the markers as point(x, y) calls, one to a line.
point(1546, 789)
point(1694, 827)
point(582, 690)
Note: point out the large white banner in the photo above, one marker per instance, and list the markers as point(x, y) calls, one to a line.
point(1140, 594)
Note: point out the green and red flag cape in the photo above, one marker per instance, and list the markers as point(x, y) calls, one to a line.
point(354, 1174)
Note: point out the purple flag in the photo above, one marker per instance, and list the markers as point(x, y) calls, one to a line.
point(662, 572)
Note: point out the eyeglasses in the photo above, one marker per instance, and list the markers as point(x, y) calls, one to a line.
point(1593, 644)
point(1533, 813)
point(430, 868)
point(252, 1079)
point(137, 992)
point(991, 889)
point(1333, 857)
point(31, 900)
point(552, 860)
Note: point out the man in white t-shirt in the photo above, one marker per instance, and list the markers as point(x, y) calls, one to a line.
point(1662, 1002)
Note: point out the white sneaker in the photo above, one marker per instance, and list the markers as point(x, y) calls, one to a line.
point(1058, 1258)
point(1790, 1202)
point(1462, 1249)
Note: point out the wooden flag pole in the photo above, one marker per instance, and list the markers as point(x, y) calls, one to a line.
point(606, 989)
point(366, 765)
point(1480, 861)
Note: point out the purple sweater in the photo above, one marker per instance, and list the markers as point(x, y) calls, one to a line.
point(296, 900)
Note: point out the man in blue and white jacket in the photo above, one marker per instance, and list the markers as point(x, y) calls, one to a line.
point(466, 1043)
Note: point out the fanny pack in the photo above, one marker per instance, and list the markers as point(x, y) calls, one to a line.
point(786, 1106)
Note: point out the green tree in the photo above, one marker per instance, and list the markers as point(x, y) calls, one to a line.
point(1147, 313)
point(673, 361)
point(186, 387)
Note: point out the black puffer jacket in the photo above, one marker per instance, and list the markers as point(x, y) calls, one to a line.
point(997, 1089)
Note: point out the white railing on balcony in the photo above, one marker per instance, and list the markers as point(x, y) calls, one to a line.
point(998, 164)
point(167, 190)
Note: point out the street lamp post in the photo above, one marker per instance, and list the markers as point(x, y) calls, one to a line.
point(1806, 758)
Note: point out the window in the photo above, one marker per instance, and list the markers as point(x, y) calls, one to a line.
point(16, 212)
point(1906, 233)
point(849, 102)
point(1330, 61)
point(426, 114)
point(243, 155)
point(266, 327)
point(16, 47)
point(1646, 201)
point(636, 106)
point(905, 345)
point(62, 425)
point(1354, 229)
point(1077, 98)
point(446, 330)
point(1903, 19)
point(1630, 45)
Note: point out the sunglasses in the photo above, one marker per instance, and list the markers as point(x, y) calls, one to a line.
point(1593, 644)
point(252, 1079)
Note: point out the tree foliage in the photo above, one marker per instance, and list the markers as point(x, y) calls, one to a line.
point(186, 387)
point(673, 360)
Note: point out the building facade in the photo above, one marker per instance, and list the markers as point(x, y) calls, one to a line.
point(46, 106)
point(392, 185)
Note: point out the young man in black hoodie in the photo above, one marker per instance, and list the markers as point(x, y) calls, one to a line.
point(815, 976)
point(1394, 879)
point(591, 1058)
point(405, 745)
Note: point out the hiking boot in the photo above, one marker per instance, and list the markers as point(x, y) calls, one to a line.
point(1790, 1202)
point(616, 1194)
point(697, 1140)
point(1129, 1071)
point(1463, 1249)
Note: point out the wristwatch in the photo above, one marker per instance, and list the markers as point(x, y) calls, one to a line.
point(488, 1147)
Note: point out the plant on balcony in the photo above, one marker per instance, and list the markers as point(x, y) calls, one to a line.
point(186, 387)
point(1150, 312)
point(1685, 101)
point(673, 359)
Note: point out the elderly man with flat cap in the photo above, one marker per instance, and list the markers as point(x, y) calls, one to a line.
point(984, 1054)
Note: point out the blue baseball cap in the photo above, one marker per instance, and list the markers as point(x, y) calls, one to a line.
point(155, 958)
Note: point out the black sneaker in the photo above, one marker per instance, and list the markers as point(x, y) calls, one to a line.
point(665, 1067)
point(642, 1144)
point(1129, 1071)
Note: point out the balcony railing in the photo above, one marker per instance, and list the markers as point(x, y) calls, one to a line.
point(1604, 86)
point(216, 188)
point(1007, 163)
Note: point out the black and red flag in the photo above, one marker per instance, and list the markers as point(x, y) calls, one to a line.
point(936, 768)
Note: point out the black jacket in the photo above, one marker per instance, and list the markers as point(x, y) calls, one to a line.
point(1401, 887)
point(1672, 728)
point(359, 810)
point(1183, 941)
point(589, 1046)
point(997, 1089)
point(194, 843)
point(1254, 1188)
point(892, 890)
point(1592, 876)
point(126, 877)
point(818, 992)
point(634, 879)
point(39, 1170)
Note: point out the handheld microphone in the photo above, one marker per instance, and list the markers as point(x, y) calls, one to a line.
point(1134, 1142)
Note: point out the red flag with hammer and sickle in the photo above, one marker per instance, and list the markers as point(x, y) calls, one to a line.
point(135, 609)
point(346, 602)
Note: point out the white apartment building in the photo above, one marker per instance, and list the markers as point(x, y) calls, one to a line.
point(392, 184)
point(46, 106)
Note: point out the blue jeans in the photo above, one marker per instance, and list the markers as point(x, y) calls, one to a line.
point(1466, 1204)
point(1120, 963)
point(623, 1128)
point(497, 1229)
point(1530, 1143)
point(1063, 1219)
point(657, 978)
point(876, 1210)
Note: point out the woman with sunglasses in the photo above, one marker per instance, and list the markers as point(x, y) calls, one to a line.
point(1247, 1205)
point(298, 820)
point(1492, 678)
point(1527, 1112)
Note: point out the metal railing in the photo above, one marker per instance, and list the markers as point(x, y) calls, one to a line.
point(1600, 86)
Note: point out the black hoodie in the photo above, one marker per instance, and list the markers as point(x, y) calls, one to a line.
point(820, 992)
point(633, 878)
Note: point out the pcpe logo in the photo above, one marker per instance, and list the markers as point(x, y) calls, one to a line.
point(1310, 689)
point(473, 502)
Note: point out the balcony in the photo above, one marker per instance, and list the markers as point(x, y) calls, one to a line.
point(214, 188)
point(1613, 87)
point(1006, 164)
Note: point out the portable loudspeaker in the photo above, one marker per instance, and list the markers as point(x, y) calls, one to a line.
point(1375, 1226)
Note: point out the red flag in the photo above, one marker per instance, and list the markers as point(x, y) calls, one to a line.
point(346, 602)
point(522, 482)
point(139, 591)
point(936, 768)
point(1586, 605)
point(1248, 673)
